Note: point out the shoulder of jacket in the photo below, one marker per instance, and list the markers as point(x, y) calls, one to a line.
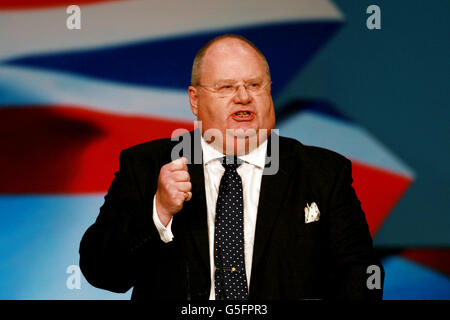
point(312, 154)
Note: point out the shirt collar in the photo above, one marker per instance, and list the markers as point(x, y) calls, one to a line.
point(256, 157)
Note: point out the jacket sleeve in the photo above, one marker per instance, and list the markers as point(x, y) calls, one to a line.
point(351, 243)
point(110, 248)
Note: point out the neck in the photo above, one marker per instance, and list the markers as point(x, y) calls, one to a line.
point(236, 146)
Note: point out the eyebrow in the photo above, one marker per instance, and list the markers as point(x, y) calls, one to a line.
point(234, 80)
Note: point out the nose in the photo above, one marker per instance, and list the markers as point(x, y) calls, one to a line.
point(242, 95)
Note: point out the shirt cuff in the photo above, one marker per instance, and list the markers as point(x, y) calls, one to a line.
point(165, 233)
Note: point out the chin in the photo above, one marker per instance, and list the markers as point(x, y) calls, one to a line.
point(242, 133)
point(240, 144)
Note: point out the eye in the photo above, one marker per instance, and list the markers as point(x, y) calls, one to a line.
point(225, 88)
point(254, 85)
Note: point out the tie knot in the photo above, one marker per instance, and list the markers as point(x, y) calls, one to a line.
point(231, 162)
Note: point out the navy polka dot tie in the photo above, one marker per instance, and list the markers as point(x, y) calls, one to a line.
point(230, 276)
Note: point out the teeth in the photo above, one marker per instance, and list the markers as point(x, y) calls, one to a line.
point(242, 113)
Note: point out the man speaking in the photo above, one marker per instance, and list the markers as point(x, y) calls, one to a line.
point(228, 227)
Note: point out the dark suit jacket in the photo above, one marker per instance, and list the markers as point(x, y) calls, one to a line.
point(291, 260)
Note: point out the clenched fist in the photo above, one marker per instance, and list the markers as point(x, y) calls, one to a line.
point(173, 183)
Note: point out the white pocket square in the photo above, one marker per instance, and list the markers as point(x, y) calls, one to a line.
point(312, 213)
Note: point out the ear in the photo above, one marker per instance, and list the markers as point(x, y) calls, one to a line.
point(193, 99)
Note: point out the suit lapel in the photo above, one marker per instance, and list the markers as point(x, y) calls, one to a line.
point(272, 195)
point(197, 220)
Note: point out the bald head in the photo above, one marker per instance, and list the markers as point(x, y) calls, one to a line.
point(222, 47)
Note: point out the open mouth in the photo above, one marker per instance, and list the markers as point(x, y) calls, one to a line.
point(243, 115)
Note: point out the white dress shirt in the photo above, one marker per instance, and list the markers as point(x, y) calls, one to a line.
point(251, 174)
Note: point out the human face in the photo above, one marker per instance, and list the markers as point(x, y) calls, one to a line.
point(233, 61)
